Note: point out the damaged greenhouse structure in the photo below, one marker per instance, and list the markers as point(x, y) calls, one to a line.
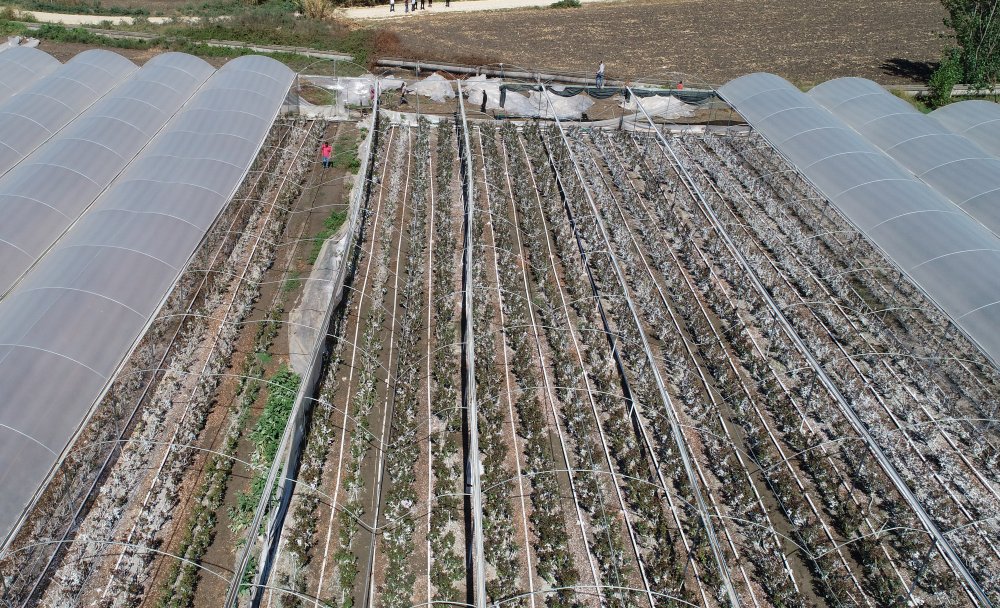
point(730, 347)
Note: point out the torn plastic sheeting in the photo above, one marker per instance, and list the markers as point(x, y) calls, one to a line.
point(435, 86)
point(358, 91)
point(665, 107)
point(546, 105)
point(351, 90)
point(481, 84)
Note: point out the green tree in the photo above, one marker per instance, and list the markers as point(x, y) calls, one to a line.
point(944, 79)
point(976, 24)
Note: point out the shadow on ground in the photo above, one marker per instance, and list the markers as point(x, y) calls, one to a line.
point(913, 70)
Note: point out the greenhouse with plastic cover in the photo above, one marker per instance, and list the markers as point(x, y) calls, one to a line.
point(321, 337)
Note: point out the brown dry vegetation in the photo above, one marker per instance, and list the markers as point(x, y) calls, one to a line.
point(891, 41)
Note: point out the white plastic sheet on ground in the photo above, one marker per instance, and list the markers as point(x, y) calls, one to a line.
point(435, 86)
point(664, 107)
point(476, 86)
point(542, 105)
point(13, 41)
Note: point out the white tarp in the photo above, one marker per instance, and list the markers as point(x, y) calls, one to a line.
point(532, 105)
point(435, 86)
point(476, 86)
point(665, 107)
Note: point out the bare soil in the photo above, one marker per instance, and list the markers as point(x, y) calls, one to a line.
point(890, 41)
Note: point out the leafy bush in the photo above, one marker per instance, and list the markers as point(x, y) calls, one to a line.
point(566, 4)
point(944, 79)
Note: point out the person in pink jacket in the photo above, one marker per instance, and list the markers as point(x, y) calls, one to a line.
point(325, 152)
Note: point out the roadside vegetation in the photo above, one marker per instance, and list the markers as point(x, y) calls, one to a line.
point(974, 58)
point(83, 8)
point(193, 40)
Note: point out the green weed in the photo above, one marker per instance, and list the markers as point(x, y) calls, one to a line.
point(330, 226)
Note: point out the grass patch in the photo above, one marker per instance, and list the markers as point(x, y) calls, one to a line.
point(275, 23)
point(272, 23)
point(331, 224)
point(917, 101)
point(266, 436)
point(293, 282)
point(318, 96)
point(9, 27)
point(82, 8)
point(60, 33)
point(345, 153)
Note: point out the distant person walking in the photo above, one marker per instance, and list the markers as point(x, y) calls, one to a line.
point(413, 6)
point(600, 76)
point(447, 3)
point(406, 6)
point(422, 7)
point(680, 85)
point(392, 6)
point(325, 152)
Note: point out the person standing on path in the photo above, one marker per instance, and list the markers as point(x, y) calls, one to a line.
point(392, 6)
point(325, 152)
point(447, 3)
point(600, 75)
point(422, 7)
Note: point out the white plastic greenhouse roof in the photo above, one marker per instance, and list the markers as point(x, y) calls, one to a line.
point(976, 119)
point(86, 156)
point(21, 66)
point(68, 325)
point(32, 116)
point(949, 163)
point(946, 253)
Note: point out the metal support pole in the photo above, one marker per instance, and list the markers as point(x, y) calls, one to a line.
point(474, 467)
